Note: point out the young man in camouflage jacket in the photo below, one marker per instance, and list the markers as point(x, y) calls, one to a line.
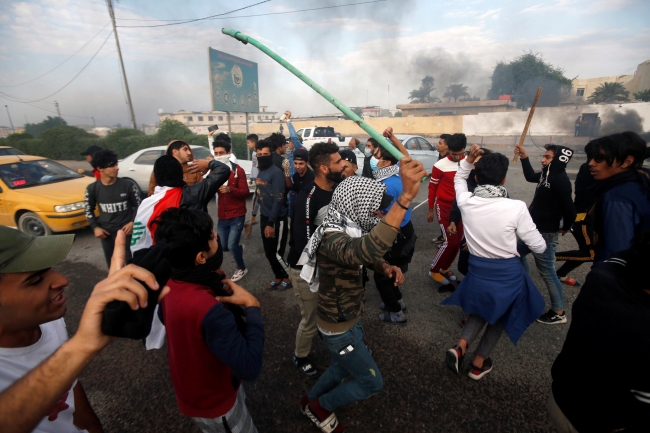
point(351, 236)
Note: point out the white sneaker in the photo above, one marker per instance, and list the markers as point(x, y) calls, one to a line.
point(239, 274)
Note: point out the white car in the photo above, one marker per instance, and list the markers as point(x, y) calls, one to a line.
point(319, 134)
point(138, 166)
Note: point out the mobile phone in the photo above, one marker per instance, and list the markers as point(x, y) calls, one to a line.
point(212, 128)
point(347, 350)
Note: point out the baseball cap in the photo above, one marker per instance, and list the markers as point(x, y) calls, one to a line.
point(21, 252)
point(91, 150)
point(301, 155)
point(348, 155)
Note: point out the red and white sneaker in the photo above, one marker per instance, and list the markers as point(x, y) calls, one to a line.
point(239, 274)
point(477, 373)
point(325, 420)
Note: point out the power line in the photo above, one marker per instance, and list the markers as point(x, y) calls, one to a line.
point(205, 18)
point(74, 54)
point(216, 17)
point(73, 78)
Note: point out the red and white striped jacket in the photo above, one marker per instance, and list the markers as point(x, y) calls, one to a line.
point(441, 186)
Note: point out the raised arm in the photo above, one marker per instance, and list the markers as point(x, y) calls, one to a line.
point(388, 133)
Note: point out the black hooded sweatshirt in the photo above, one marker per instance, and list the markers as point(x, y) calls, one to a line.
point(552, 201)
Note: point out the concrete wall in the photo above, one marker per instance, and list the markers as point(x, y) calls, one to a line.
point(548, 120)
point(401, 125)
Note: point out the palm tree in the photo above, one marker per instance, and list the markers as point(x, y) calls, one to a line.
point(609, 92)
point(456, 91)
point(423, 94)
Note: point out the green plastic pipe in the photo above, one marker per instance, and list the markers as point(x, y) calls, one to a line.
point(386, 144)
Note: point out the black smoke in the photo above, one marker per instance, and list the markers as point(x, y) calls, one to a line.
point(552, 93)
point(618, 121)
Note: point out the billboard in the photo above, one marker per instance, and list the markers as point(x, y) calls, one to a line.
point(233, 83)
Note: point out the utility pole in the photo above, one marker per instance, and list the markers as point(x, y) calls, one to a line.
point(119, 53)
point(94, 126)
point(56, 104)
point(13, 131)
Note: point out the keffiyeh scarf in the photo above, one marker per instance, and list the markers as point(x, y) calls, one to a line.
point(490, 191)
point(386, 172)
point(351, 211)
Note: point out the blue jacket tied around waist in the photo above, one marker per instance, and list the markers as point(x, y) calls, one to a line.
point(499, 289)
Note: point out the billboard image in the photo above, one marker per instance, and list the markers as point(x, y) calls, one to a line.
point(233, 83)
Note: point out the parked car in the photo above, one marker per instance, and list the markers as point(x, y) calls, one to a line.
point(7, 150)
point(318, 134)
point(420, 149)
point(138, 166)
point(40, 196)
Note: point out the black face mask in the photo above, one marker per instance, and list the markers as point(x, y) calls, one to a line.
point(334, 176)
point(204, 274)
point(264, 162)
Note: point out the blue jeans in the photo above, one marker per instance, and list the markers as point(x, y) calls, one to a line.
point(353, 375)
point(229, 234)
point(546, 266)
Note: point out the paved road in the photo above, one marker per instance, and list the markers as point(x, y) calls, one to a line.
point(131, 391)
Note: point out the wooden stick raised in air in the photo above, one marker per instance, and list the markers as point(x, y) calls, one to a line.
point(530, 117)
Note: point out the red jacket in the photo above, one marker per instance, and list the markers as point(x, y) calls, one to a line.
point(441, 186)
point(233, 204)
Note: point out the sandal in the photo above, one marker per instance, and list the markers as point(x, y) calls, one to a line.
point(284, 286)
point(272, 285)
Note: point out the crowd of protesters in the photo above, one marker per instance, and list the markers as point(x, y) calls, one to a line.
point(166, 283)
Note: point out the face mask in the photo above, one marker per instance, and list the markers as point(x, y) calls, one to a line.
point(224, 159)
point(264, 162)
point(373, 164)
point(367, 152)
point(335, 176)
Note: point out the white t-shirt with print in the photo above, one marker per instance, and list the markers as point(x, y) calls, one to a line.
point(17, 362)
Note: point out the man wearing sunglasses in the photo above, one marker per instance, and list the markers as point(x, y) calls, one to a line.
point(623, 209)
point(552, 205)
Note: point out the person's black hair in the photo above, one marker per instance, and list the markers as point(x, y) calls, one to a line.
point(176, 145)
point(636, 274)
point(456, 142)
point(104, 158)
point(551, 147)
point(168, 171)
point(445, 137)
point(617, 147)
point(387, 156)
point(264, 143)
point(222, 136)
point(187, 232)
point(278, 140)
point(491, 169)
point(374, 143)
point(220, 143)
point(321, 154)
point(252, 137)
point(589, 150)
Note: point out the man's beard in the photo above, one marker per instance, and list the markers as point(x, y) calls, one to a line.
point(334, 176)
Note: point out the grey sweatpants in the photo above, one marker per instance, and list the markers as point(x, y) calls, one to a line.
point(489, 339)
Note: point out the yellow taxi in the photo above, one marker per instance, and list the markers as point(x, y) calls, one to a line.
point(40, 196)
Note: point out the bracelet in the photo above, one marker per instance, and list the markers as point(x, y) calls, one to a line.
point(405, 197)
point(401, 205)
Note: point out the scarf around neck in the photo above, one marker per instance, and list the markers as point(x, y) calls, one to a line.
point(490, 191)
point(351, 211)
point(386, 172)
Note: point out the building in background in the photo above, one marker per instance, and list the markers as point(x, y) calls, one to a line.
point(582, 88)
point(457, 108)
point(199, 121)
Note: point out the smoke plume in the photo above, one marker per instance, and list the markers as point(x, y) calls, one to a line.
point(616, 121)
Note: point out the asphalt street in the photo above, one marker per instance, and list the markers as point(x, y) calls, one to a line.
point(131, 390)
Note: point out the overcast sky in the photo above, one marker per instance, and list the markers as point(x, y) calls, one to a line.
point(357, 52)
